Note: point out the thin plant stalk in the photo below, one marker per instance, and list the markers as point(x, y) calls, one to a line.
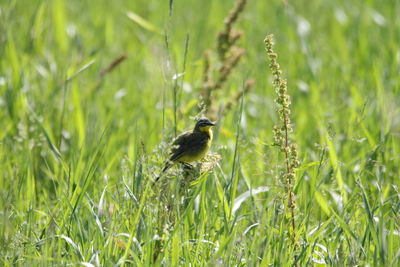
point(282, 135)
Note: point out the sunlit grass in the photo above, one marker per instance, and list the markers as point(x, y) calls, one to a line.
point(80, 146)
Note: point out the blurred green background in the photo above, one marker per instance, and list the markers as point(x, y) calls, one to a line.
point(70, 137)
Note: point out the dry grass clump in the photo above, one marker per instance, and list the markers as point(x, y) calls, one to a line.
point(229, 56)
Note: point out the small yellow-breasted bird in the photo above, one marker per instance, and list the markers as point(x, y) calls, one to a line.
point(191, 145)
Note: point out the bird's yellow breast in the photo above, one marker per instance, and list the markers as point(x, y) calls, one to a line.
point(207, 129)
point(194, 157)
point(199, 153)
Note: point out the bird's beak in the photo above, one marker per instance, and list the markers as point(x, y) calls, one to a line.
point(212, 124)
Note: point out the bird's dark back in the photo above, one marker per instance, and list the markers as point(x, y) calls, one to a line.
point(189, 143)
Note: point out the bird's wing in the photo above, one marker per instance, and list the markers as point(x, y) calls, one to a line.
point(186, 142)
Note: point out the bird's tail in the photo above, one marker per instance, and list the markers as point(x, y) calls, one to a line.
point(166, 167)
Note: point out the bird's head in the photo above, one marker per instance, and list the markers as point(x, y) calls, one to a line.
point(204, 125)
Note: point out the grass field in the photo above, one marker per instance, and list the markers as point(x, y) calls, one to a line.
point(83, 136)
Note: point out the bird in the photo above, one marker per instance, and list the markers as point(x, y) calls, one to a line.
point(191, 145)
